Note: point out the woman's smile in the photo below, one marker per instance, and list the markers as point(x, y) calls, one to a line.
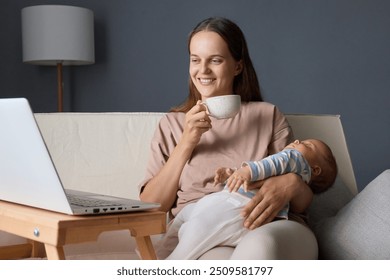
point(205, 82)
point(212, 67)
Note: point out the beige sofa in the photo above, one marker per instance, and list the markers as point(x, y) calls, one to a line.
point(107, 153)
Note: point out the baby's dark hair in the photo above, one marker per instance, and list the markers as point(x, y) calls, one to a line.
point(328, 174)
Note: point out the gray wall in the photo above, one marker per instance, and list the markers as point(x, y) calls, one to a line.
point(322, 57)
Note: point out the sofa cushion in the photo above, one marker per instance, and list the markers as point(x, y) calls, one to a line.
point(360, 229)
point(99, 152)
point(327, 204)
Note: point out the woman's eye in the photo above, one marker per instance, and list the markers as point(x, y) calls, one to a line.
point(194, 60)
point(216, 61)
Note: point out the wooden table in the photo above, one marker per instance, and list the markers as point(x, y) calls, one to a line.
point(55, 230)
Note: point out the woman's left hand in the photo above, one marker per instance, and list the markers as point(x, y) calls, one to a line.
point(273, 195)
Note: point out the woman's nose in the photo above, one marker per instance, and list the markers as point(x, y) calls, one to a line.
point(205, 68)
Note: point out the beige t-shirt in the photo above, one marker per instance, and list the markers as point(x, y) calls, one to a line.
point(258, 130)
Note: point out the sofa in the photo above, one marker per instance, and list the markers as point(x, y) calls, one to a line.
point(107, 153)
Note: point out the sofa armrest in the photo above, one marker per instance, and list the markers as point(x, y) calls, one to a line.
point(360, 229)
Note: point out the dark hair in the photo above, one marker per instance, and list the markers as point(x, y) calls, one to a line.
point(246, 83)
point(328, 174)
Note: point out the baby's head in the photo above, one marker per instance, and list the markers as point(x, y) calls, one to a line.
point(321, 160)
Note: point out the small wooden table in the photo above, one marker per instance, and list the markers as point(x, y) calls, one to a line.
point(55, 230)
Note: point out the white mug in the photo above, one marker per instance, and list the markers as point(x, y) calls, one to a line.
point(224, 106)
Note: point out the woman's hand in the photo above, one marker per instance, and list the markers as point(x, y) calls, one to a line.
point(273, 195)
point(163, 187)
point(197, 122)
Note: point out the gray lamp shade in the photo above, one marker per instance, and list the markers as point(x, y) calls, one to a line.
point(54, 34)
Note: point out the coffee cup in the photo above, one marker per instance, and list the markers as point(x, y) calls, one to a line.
point(224, 106)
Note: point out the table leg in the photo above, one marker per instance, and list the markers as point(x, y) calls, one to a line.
point(146, 248)
point(38, 250)
point(54, 253)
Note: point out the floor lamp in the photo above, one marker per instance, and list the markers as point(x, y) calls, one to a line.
point(57, 35)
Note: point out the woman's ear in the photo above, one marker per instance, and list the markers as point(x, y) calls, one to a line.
point(239, 68)
point(316, 170)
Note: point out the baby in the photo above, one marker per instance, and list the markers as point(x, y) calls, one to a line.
point(311, 158)
point(215, 219)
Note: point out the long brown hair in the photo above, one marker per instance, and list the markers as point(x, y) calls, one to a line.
point(246, 83)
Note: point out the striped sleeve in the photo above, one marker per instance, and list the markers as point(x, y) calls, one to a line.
point(286, 161)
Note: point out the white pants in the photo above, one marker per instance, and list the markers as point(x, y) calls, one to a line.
point(278, 240)
point(215, 220)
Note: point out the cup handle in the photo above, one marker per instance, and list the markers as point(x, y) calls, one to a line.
point(205, 105)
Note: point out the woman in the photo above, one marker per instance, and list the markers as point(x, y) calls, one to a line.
point(189, 145)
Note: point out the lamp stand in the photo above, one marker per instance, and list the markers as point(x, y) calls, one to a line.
point(59, 87)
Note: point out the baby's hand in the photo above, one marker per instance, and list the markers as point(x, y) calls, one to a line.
point(222, 174)
point(240, 177)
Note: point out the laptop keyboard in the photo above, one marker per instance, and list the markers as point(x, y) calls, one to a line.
point(89, 202)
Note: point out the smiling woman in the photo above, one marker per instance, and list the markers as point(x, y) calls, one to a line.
point(189, 145)
point(231, 38)
point(212, 67)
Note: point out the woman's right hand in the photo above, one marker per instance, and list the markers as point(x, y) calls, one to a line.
point(197, 122)
point(163, 187)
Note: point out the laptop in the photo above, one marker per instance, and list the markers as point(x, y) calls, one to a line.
point(28, 175)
